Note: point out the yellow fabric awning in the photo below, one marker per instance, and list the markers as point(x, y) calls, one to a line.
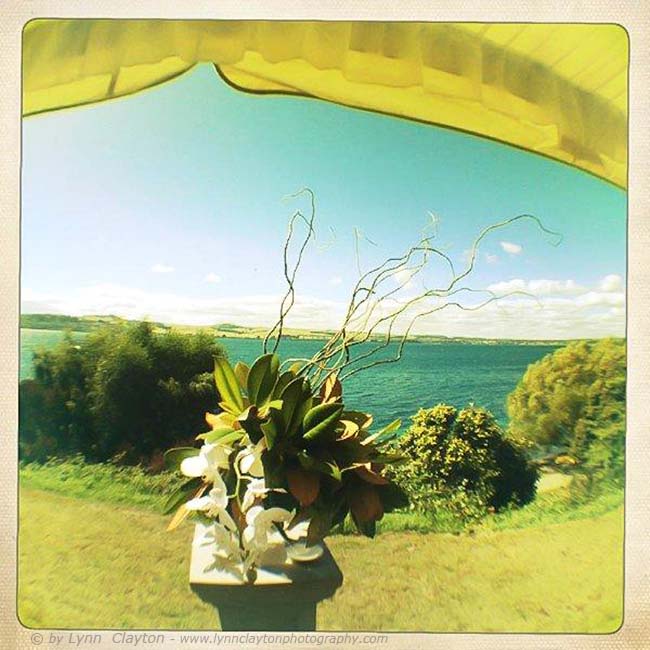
point(559, 90)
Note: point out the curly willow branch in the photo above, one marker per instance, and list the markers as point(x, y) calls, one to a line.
point(290, 296)
point(361, 321)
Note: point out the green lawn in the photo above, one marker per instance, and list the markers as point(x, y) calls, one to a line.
point(87, 564)
point(133, 486)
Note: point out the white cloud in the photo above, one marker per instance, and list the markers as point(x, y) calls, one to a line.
point(561, 309)
point(509, 247)
point(541, 287)
point(213, 278)
point(335, 280)
point(611, 282)
point(162, 268)
point(507, 286)
point(491, 259)
point(132, 303)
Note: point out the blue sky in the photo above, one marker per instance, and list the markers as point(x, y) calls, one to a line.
point(168, 204)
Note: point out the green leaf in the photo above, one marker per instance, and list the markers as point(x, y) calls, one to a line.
point(241, 372)
point(331, 390)
point(294, 406)
point(367, 528)
point(215, 434)
point(272, 428)
point(321, 420)
point(181, 494)
point(324, 466)
point(362, 420)
point(250, 422)
point(261, 379)
point(385, 434)
point(224, 439)
point(319, 526)
point(227, 385)
point(274, 470)
point(283, 381)
point(174, 457)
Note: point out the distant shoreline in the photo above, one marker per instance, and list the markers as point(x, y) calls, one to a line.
point(85, 324)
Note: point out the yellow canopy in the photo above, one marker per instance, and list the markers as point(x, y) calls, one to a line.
point(558, 90)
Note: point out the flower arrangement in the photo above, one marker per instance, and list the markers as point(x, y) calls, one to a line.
point(281, 466)
point(285, 461)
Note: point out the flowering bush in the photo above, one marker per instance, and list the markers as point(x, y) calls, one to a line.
point(281, 465)
point(459, 462)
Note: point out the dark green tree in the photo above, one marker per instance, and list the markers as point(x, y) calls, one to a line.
point(574, 400)
point(124, 389)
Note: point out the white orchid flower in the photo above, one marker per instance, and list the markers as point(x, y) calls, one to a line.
point(210, 459)
point(261, 539)
point(260, 531)
point(250, 459)
point(299, 530)
point(226, 541)
point(214, 504)
point(256, 489)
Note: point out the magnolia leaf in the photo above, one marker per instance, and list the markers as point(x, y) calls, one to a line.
point(350, 453)
point(229, 408)
point(362, 420)
point(331, 390)
point(261, 378)
point(174, 457)
point(303, 485)
point(274, 474)
point(349, 429)
point(220, 420)
point(319, 526)
point(228, 386)
point(324, 466)
point(366, 472)
point(367, 528)
point(215, 434)
point(283, 381)
point(250, 422)
point(385, 434)
point(365, 504)
point(180, 516)
point(294, 406)
point(272, 428)
point(241, 372)
point(224, 438)
point(181, 494)
point(182, 512)
point(266, 409)
point(321, 420)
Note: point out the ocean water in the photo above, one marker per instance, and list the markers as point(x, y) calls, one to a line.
point(427, 374)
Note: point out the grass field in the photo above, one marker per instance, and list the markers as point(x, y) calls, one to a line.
point(132, 486)
point(87, 564)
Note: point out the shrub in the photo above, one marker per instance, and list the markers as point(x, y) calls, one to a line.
point(459, 462)
point(126, 389)
point(574, 400)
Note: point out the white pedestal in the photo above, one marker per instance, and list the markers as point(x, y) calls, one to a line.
point(283, 597)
